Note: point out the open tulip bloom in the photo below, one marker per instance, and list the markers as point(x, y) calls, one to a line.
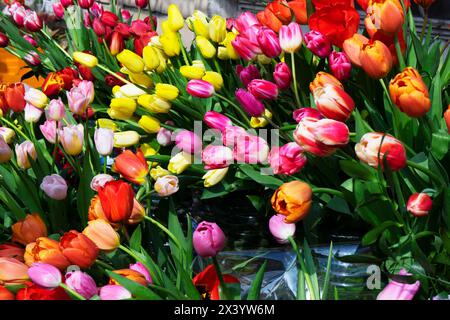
point(272, 127)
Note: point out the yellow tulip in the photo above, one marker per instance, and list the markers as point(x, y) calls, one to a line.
point(192, 72)
point(180, 162)
point(165, 27)
point(206, 47)
point(124, 104)
point(115, 90)
point(217, 29)
point(162, 62)
point(166, 91)
point(154, 104)
point(214, 78)
point(131, 61)
point(170, 44)
point(175, 18)
point(158, 172)
point(126, 139)
point(147, 150)
point(213, 177)
point(85, 59)
point(230, 49)
point(141, 79)
point(7, 134)
point(198, 23)
point(118, 115)
point(260, 122)
point(149, 124)
point(107, 124)
point(222, 53)
point(151, 58)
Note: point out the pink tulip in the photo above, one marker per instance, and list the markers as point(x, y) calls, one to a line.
point(56, 110)
point(321, 137)
point(30, 40)
point(24, 152)
point(58, 9)
point(72, 138)
point(249, 103)
point(80, 97)
point(299, 114)
point(288, 159)
point(18, 13)
point(164, 137)
point(87, 22)
point(32, 114)
point(216, 120)
point(200, 88)
point(340, 65)
point(55, 187)
point(245, 48)
point(48, 130)
point(96, 9)
point(399, 291)
point(263, 89)
point(333, 102)
point(139, 267)
point(247, 74)
point(4, 40)
point(114, 292)
point(85, 4)
point(100, 180)
point(245, 21)
point(208, 239)
point(188, 141)
point(290, 37)
point(32, 58)
point(45, 275)
point(126, 15)
point(251, 149)
point(317, 43)
point(66, 3)
point(32, 22)
point(217, 157)
point(104, 141)
point(281, 230)
point(98, 27)
point(81, 283)
point(231, 135)
point(419, 204)
point(268, 42)
point(282, 76)
point(5, 151)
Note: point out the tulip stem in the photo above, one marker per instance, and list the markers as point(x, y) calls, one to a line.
point(393, 108)
point(15, 128)
point(163, 228)
point(427, 171)
point(103, 264)
point(72, 292)
point(401, 60)
point(424, 26)
point(105, 160)
point(238, 109)
point(294, 77)
point(57, 44)
point(221, 280)
point(329, 191)
point(183, 50)
point(102, 67)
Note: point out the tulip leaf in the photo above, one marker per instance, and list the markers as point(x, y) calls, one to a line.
point(440, 143)
point(137, 290)
point(357, 170)
point(136, 239)
point(372, 236)
point(255, 289)
point(266, 180)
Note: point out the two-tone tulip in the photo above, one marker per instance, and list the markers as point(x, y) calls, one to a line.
point(132, 166)
point(32, 114)
point(200, 88)
point(24, 152)
point(166, 185)
point(282, 76)
point(251, 105)
point(216, 120)
point(72, 138)
point(290, 37)
point(353, 47)
point(333, 102)
point(36, 98)
point(214, 176)
point(287, 159)
point(419, 204)
point(263, 89)
point(317, 43)
point(56, 110)
point(154, 103)
point(102, 234)
point(268, 42)
point(281, 230)
point(217, 157)
point(386, 15)
point(293, 200)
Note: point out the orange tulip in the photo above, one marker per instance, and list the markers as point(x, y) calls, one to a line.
point(14, 96)
point(353, 46)
point(322, 78)
point(132, 167)
point(293, 200)
point(5, 294)
point(278, 13)
point(376, 59)
point(268, 19)
point(29, 229)
point(46, 250)
point(386, 15)
point(11, 250)
point(12, 271)
point(78, 249)
point(409, 93)
point(102, 234)
point(138, 213)
point(131, 275)
point(447, 118)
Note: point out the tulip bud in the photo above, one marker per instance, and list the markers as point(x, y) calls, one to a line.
point(56, 110)
point(268, 42)
point(290, 37)
point(72, 138)
point(340, 65)
point(141, 4)
point(333, 102)
point(175, 18)
point(149, 124)
point(166, 91)
point(30, 40)
point(231, 135)
point(282, 76)
point(192, 72)
point(151, 57)
point(208, 239)
point(214, 78)
point(164, 137)
point(85, 59)
point(200, 88)
point(261, 122)
point(292, 200)
point(244, 47)
point(126, 139)
point(24, 152)
point(247, 74)
point(55, 187)
point(318, 44)
point(114, 292)
point(281, 230)
point(170, 44)
point(48, 130)
point(132, 166)
point(213, 177)
point(131, 61)
point(45, 275)
point(58, 10)
point(376, 59)
point(32, 22)
point(100, 180)
point(217, 29)
point(263, 89)
point(104, 141)
point(66, 3)
point(206, 48)
point(102, 234)
point(447, 118)
point(180, 162)
point(139, 267)
point(32, 114)
point(129, 90)
point(188, 141)
point(4, 40)
point(419, 204)
point(81, 283)
point(249, 103)
point(32, 58)
point(216, 120)
point(98, 27)
point(166, 185)
point(5, 151)
point(158, 172)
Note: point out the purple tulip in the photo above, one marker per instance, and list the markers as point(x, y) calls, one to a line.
point(281, 230)
point(81, 283)
point(114, 292)
point(208, 239)
point(249, 103)
point(55, 187)
point(45, 275)
point(399, 291)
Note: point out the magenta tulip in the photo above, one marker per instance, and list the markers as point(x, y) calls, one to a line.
point(188, 141)
point(299, 114)
point(217, 157)
point(55, 187)
point(251, 149)
point(58, 9)
point(208, 239)
point(247, 74)
point(82, 283)
point(216, 120)
point(32, 22)
point(281, 230)
point(249, 103)
point(45, 275)
point(32, 58)
point(288, 159)
point(30, 40)
point(399, 291)
point(317, 43)
point(18, 13)
point(419, 204)
point(139, 267)
point(340, 65)
point(282, 76)
point(200, 88)
point(263, 89)
point(268, 42)
point(114, 292)
point(245, 48)
point(85, 4)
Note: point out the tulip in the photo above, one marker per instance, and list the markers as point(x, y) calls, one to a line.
point(132, 166)
point(180, 162)
point(109, 19)
point(290, 37)
point(216, 120)
point(340, 65)
point(249, 103)
point(166, 91)
point(321, 137)
point(58, 9)
point(78, 249)
point(5, 151)
point(55, 187)
point(66, 3)
point(100, 180)
point(158, 172)
point(47, 251)
point(244, 47)
point(150, 57)
point(170, 44)
point(208, 282)
point(214, 78)
point(288, 159)
point(139, 267)
point(175, 18)
point(213, 177)
point(192, 72)
point(374, 147)
point(98, 27)
point(231, 135)
point(24, 152)
point(292, 200)
point(30, 40)
point(28, 229)
point(419, 204)
point(208, 239)
point(85, 4)
point(217, 29)
point(55, 110)
point(282, 76)
point(166, 185)
point(104, 141)
point(200, 88)
point(268, 42)
point(188, 141)
point(45, 275)
point(261, 122)
point(11, 250)
point(116, 198)
point(32, 22)
point(4, 40)
point(386, 15)
point(353, 47)
point(126, 139)
point(299, 114)
point(399, 291)
point(114, 292)
point(36, 98)
point(80, 97)
point(130, 275)
point(164, 137)
point(323, 78)
point(14, 96)
point(217, 157)
point(247, 74)
point(137, 214)
point(251, 149)
point(263, 89)
point(48, 130)
point(424, 3)
point(141, 4)
point(206, 48)
point(18, 14)
point(35, 292)
point(123, 106)
point(409, 93)
point(81, 283)
point(32, 114)
point(7, 134)
point(154, 103)
point(72, 139)
point(107, 124)
point(131, 61)
point(116, 43)
point(447, 118)
point(102, 234)
point(85, 59)
point(281, 230)
point(318, 44)
point(12, 271)
point(333, 102)
point(5, 294)
point(376, 59)
point(149, 124)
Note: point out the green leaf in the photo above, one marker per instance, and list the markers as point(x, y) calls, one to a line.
point(311, 269)
point(360, 258)
point(255, 289)
point(137, 290)
point(357, 170)
point(136, 239)
point(266, 180)
point(372, 236)
point(440, 143)
point(326, 281)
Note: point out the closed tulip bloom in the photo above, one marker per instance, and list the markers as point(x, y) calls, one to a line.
point(72, 139)
point(45, 275)
point(386, 15)
point(80, 97)
point(32, 58)
point(419, 204)
point(268, 42)
point(214, 78)
point(137, 214)
point(353, 47)
point(56, 110)
point(164, 137)
point(14, 96)
point(132, 166)
point(85, 59)
point(29, 229)
point(251, 149)
point(215, 120)
point(323, 78)
point(151, 57)
point(213, 177)
point(247, 74)
point(447, 118)
point(282, 76)
point(55, 187)
point(4, 40)
point(141, 3)
point(166, 91)
point(12, 271)
point(124, 106)
point(149, 124)
point(130, 275)
point(36, 98)
point(231, 135)
point(104, 141)
point(208, 239)
point(188, 141)
point(131, 61)
point(200, 88)
point(206, 48)
point(7, 134)
point(321, 137)
point(11, 250)
point(166, 185)
point(107, 124)
point(374, 147)
point(154, 103)
point(48, 130)
point(290, 37)
point(340, 65)
point(78, 249)
point(24, 152)
point(409, 93)
point(139, 267)
point(288, 159)
point(292, 200)
point(85, 4)
point(102, 234)
point(317, 43)
point(116, 198)
point(299, 114)
point(180, 162)
point(114, 292)
point(399, 291)
point(281, 230)
point(245, 48)
point(32, 114)
point(217, 29)
point(424, 3)
point(217, 157)
point(376, 59)
point(158, 172)
point(170, 44)
point(263, 89)
point(5, 151)
point(192, 72)
point(175, 18)
point(249, 103)
point(333, 102)
point(81, 283)
point(126, 139)
point(100, 180)
point(46, 250)
point(32, 22)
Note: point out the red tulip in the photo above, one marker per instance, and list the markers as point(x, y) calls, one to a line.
point(207, 282)
point(117, 198)
point(85, 4)
point(132, 166)
point(78, 249)
point(419, 204)
point(14, 96)
point(4, 40)
point(320, 4)
point(11, 250)
point(35, 292)
point(110, 19)
point(5, 294)
point(141, 3)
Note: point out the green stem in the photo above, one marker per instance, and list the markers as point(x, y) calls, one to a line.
point(303, 267)
point(238, 109)
point(105, 158)
point(401, 60)
point(221, 280)
point(9, 123)
point(163, 228)
point(427, 171)
point(72, 292)
point(329, 191)
point(183, 50)
point(294, 76)
point(217, 65)
point(57, 44)
point(103, 264)
point(393, 108)
point(288, 127)
point(424, 26)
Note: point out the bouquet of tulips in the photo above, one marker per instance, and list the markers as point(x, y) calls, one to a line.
point(308, 125)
